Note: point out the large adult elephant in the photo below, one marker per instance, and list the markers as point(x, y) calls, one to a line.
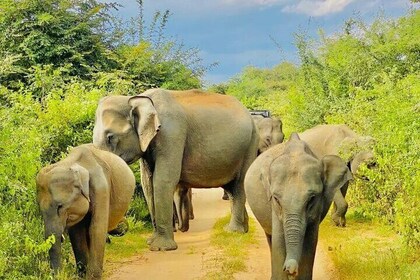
point(290, 191)
point(340, 140)
point(270, 130)
point(192, 138)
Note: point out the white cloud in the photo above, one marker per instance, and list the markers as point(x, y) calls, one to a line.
point(251, 2)
point(317, 7)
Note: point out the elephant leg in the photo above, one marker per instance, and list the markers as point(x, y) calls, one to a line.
point(268, 236)
point(175, 219)
point(185, 210)
point(191, 215)
point(308, 253)
point(340, 208)
point(344, 189)
point(166, 176)
point(79, 242)
point(178, 207)
point(236, 192)
point(98, 227)
point(239, 219)
point(147, 187)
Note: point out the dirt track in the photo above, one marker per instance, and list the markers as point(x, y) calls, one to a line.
point(191, 259)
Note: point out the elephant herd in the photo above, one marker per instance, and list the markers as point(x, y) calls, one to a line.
point(194, 139)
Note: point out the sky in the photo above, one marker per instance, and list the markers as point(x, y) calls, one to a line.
point(260, 33)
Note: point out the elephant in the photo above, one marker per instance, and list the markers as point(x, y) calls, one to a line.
point(87, 193)
point(193, 138)
point(290, 191)
point(183, 208)
point(340, 140)
point(270, 130)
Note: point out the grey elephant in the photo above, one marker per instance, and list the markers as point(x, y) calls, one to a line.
point(290, 191)
point(270, 130)
point(340, 140)
point(183, 207)
point(193, 138)
point(88, 194)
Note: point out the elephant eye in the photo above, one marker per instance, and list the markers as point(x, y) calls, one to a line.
point(311, 201)
point(109, 138)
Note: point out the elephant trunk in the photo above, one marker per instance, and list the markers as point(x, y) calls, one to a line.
point(54, 228)
point(294, 230)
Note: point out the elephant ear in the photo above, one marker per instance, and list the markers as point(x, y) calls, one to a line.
point(278, 135)
point(335, 174)
point(148, 123)
point(81, 179)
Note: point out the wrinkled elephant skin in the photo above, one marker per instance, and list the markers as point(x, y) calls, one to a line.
point(87, 193)
point(340, 140)
point(289, 191)
point(192, 138)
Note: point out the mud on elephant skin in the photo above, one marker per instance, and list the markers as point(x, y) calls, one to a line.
point(180, 137)
point(88, 194)
point(290, 191)
point(354, 149)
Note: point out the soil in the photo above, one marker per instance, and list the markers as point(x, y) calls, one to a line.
point(191, 259)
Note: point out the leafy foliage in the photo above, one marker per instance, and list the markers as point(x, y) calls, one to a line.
point(368, 78)
point(57, 59)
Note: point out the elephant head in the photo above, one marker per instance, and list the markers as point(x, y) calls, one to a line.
point(63, 196)
point(270, 131)
point(358, 151)
point(125, 125)
point(300, 188)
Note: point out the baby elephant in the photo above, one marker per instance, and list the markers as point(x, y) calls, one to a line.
point(290, 191)
point(87, 193)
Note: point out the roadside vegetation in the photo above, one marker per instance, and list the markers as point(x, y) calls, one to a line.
point(368, 247)
point(231, 250)
point(366, 76)
point(59, 57)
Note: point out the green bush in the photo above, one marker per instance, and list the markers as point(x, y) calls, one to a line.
point(368, 78)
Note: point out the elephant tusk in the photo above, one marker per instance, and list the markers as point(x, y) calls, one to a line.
point(62, 238)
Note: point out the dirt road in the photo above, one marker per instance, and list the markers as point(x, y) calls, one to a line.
point(191, 259)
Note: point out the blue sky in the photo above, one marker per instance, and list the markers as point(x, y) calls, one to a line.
point(237, 33)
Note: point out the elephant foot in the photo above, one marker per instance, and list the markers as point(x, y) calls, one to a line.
point(153, 237)
point(338, 221)
point(184, 228)
point(161, 243)
point(121, 229)
point(235, 227)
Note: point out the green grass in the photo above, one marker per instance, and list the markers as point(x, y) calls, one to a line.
point(231, 250)
point(368, 250)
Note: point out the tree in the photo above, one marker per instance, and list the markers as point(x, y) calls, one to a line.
point(63, 33)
